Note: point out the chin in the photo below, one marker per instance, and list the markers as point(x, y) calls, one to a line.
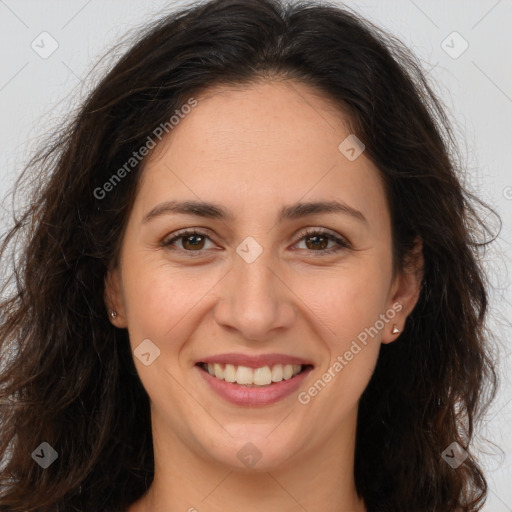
point(252, 453)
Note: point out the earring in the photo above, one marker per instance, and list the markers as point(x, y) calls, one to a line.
point(113, 313)
point(395, 330)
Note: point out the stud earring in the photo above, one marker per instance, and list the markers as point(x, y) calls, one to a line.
point(395, 330)
point(113, 313)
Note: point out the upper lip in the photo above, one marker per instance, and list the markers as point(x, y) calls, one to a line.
point(256, 361)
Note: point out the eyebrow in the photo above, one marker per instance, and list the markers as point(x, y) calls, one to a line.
point(215, 211)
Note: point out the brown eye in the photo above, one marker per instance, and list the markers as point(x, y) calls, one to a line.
point(191, 241)
point(317, 242)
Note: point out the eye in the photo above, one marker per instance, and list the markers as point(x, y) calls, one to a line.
point(316, 240)
point(191, 241)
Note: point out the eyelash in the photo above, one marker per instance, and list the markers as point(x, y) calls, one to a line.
point(342, 243)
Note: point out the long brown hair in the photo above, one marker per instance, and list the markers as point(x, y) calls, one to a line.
point(68, 376)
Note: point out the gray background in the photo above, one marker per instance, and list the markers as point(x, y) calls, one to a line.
point(36, 93)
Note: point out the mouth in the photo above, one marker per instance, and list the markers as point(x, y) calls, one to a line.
point(260, 377)
point(257, 386)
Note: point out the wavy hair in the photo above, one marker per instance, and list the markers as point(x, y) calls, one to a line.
point(68, 376)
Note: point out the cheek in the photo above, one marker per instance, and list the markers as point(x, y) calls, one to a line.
point(161, 300)
point(347, 309)
point(351, 306)
point(151, 302)
point(348, 300)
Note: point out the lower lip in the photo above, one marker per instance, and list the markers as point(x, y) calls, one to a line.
point(253, 397)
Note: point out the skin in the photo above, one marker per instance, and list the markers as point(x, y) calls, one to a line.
point(266, 145)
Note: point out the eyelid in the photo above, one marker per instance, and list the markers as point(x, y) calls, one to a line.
point(341, 241)
point(183, 233)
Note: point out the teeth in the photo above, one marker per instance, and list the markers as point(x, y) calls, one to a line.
point(287, 371)
point(243, 375)
point(262, 376)
point(277, 373)
point(218, 371)
point(230, 373)
point(253, 376)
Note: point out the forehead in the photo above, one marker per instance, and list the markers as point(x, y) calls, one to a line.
point(258, 147)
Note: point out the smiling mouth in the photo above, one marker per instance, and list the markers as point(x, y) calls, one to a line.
point(253, 377)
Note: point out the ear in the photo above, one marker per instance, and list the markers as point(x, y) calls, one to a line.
point(405, 292)
point(113, 298)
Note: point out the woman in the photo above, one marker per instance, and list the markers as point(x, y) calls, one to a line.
point(250, 281)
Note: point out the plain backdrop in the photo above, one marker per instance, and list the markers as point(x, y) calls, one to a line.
point(48, 47)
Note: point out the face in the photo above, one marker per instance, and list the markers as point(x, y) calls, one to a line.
point(258, 280)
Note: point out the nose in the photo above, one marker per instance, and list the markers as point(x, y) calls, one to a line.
point(255, 300)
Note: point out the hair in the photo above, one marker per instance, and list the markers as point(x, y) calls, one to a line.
point(68, 376)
